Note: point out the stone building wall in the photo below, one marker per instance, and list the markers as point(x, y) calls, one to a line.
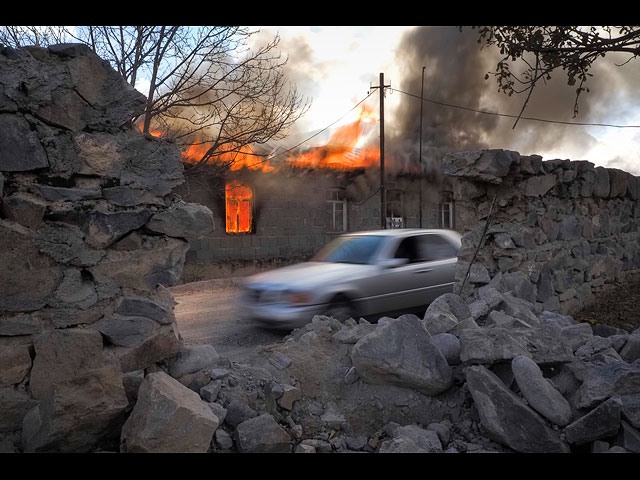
point(565, 229)
point(292, 218)
point(90, 236)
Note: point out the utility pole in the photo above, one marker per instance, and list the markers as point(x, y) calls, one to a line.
point(383, 213)
point(420, 164)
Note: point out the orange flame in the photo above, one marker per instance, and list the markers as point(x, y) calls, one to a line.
point(238, 199)
point(340, 153)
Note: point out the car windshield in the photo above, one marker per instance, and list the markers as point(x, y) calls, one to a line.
point(350, 249)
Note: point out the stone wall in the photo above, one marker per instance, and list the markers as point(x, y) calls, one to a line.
point(90, 236)
point(560, 230)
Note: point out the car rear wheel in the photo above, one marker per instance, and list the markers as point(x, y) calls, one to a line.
point(340, 308)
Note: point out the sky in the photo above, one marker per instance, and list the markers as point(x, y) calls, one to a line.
point(335, 66)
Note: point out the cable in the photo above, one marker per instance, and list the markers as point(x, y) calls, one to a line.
point(315, 134)
point(515, 116)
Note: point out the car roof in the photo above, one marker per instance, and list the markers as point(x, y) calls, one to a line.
point(399, 232)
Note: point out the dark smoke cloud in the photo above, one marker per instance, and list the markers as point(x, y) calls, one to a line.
point(455, 74)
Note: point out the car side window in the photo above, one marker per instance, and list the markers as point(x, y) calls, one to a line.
point(433, 247)
point(407, 249)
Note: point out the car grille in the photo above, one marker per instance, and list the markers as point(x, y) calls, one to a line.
point(264, 297)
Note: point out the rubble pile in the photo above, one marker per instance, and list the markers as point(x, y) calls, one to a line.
point(90, 236)
point(502, 381)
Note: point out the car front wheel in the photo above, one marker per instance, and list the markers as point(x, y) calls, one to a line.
point(340, 308)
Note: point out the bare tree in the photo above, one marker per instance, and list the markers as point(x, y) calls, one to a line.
point(18, 36)
point(542, 50)
point(206, 87)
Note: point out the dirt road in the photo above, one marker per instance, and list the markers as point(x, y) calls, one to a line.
point(206, 314)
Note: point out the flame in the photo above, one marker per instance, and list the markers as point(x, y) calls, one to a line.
point(341, 152)
point(239, 198)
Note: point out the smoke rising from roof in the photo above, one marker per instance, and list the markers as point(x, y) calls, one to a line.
point(455, 74)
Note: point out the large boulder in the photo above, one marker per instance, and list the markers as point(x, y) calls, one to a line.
point(262, 434)
point(168, 418)
point(401, 352)
point(506, 417)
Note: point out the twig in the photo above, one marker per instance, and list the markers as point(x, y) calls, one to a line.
point(484, 232)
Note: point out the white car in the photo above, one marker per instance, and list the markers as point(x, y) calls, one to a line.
point(355, 275)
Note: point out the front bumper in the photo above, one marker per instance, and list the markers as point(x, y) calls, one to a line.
point(279, 316)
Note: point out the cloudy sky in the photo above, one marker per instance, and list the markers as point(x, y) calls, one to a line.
point(336, 66)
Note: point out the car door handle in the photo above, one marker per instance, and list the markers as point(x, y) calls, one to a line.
point(424, 270)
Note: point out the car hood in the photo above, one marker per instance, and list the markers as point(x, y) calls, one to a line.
point(307, 275)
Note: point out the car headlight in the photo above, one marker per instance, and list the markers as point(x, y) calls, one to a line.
point(298, 297)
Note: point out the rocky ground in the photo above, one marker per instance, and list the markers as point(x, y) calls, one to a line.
point(617, 307)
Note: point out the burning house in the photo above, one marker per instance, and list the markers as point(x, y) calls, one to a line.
point(271, 212)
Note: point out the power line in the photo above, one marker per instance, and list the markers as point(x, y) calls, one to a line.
point(315, 134)
point(484, 112)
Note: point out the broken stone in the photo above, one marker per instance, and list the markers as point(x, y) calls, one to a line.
point(449, 346)
point(539, 393)
point(168, 417)
point(20, 324)
point(289, 395)
point(20, 148)
point(15, 363)
point(164, 343)
point(24, 208)
point(223, 439)
point(54, 194)
point(210, 391)
point(601, 422)
point(280, 361)
point(402, 353)
point(262, 434)
point(411, 439)
point(14, 405)
point(507, 419)
point(238, 412)
point(126, 331)
point(193, 359)
point(27, 276)
point(186, 220)
point(130, 306)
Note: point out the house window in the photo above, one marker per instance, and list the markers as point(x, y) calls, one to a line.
point(239, 207)
point(337, 208)
point(446, 210)
point(394, 207)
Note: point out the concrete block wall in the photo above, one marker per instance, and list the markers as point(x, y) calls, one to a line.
point(291, 217)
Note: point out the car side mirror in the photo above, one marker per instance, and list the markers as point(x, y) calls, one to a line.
point(393, 262)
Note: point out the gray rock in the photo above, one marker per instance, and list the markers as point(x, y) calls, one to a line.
point(188, 220)
point(333, 418)
point(411, 439)
point(449, 303)
point(164, 343)
point(238, 412)
point(218, 410)
point(601, 422)
point(280, 361)
point(631, 350)
point(210, 391)
point(131, 306)
point(262, 434)
point(539, 185)
point(193, 359)
point(289, 395)
point(15, 363)
point(520, 286)
point(126, 331)
point(27, 276)
point(157, 422)
point(539, 393)
point(24, 208)
point(351, 335)
point(489, 345)
point(15, 405)
point(65, 194)
point(486, 166)
point(577, 335)
point(20, 324)
point(105, 228)
point(601, 185)
point(449, 346)
point(631, 409)
point(223, 439)
point(600, 382)
point(507, 419)
point(401, 353)
point(479, 274)
point(303, 448)
point(20, 148)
